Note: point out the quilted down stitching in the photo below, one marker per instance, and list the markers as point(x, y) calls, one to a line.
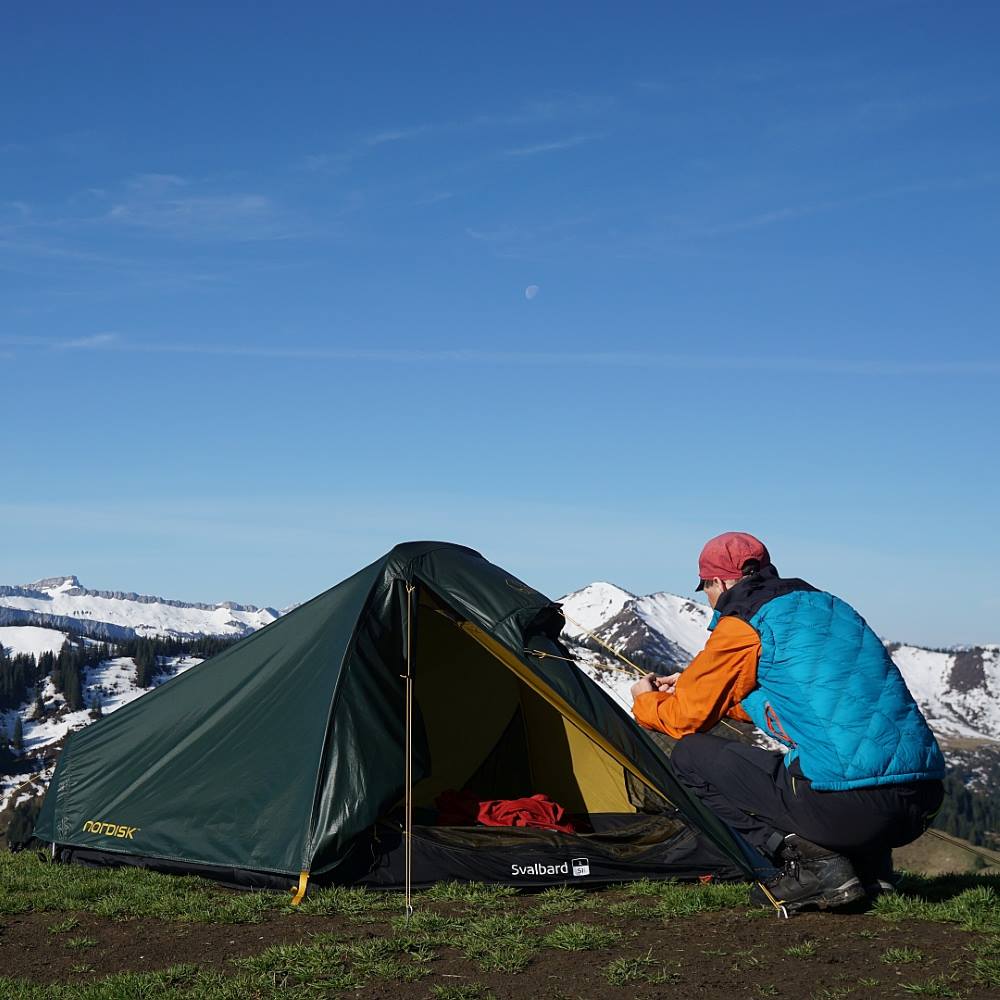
point(819, 663)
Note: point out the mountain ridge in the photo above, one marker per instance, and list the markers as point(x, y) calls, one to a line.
point(58, 601)
point(71, 586)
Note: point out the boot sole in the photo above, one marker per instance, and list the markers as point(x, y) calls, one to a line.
point(849, 892)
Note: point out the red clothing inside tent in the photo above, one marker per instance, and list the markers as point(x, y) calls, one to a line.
point(538, 811)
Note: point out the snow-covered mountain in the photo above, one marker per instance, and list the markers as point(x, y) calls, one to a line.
point(957, 689)
point(656, 632)
point(61, 602)
point(659, 632)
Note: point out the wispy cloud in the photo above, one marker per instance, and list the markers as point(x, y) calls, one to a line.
point(545, 110)
point(549, 147)
point(176, 207)
point(501, 234)
point(20, 209)
point(395, 135)
point(97, 341)
point(155, 206)
point(46, 248)
point(985, 367)
point(341, 160)
point(327, 163)
point(790, 213)
point(768, 218)
point(890, 112)
point(532, 240)
point(153, 184)
point(862, 112)
point(436, 198)
point(195, 216)
point(552, 108)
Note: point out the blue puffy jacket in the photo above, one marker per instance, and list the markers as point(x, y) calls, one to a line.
point(828, 689)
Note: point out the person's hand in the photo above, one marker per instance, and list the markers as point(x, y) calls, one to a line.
point(644, 686)
point(666, 685)
point(652, 682)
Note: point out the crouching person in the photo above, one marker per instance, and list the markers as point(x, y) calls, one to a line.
point(862, 772)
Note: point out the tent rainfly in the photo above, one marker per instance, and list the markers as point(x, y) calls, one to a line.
point(313, 750)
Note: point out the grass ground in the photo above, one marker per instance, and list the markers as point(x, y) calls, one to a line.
point(71, 933)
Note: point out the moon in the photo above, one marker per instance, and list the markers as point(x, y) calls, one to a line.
point(531, 291)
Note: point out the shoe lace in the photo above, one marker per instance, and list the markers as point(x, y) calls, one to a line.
point(791, 870)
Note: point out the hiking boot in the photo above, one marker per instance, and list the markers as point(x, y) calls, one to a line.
point(876, 874)
point(814, 876)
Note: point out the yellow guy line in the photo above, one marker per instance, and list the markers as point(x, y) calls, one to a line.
point(610, 649)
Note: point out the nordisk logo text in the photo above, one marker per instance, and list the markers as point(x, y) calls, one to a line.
point(110, 829)
point(580, 867)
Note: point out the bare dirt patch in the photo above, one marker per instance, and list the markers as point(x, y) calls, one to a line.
point(34, 946)
point(731, 953)
point(723, 955)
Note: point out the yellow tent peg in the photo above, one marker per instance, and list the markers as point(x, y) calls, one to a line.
point(300, 892)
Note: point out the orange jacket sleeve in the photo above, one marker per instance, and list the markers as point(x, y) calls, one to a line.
point(713, 685)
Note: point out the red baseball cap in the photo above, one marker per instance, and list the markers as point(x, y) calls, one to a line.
point(723, 557)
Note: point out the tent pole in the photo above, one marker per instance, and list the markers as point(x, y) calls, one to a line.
point(408, 752)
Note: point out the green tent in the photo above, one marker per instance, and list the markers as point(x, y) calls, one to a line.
point(316, 748)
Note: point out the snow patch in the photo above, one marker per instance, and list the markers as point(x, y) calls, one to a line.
point(970, 714)
point(592, 607)
point(30, 640)
point(680, 619)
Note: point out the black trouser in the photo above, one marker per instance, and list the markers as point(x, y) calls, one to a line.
point(752, 790)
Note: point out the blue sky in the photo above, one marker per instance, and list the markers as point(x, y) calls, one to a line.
point(265, 307)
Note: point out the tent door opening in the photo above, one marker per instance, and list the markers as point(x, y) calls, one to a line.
point(482, 728)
